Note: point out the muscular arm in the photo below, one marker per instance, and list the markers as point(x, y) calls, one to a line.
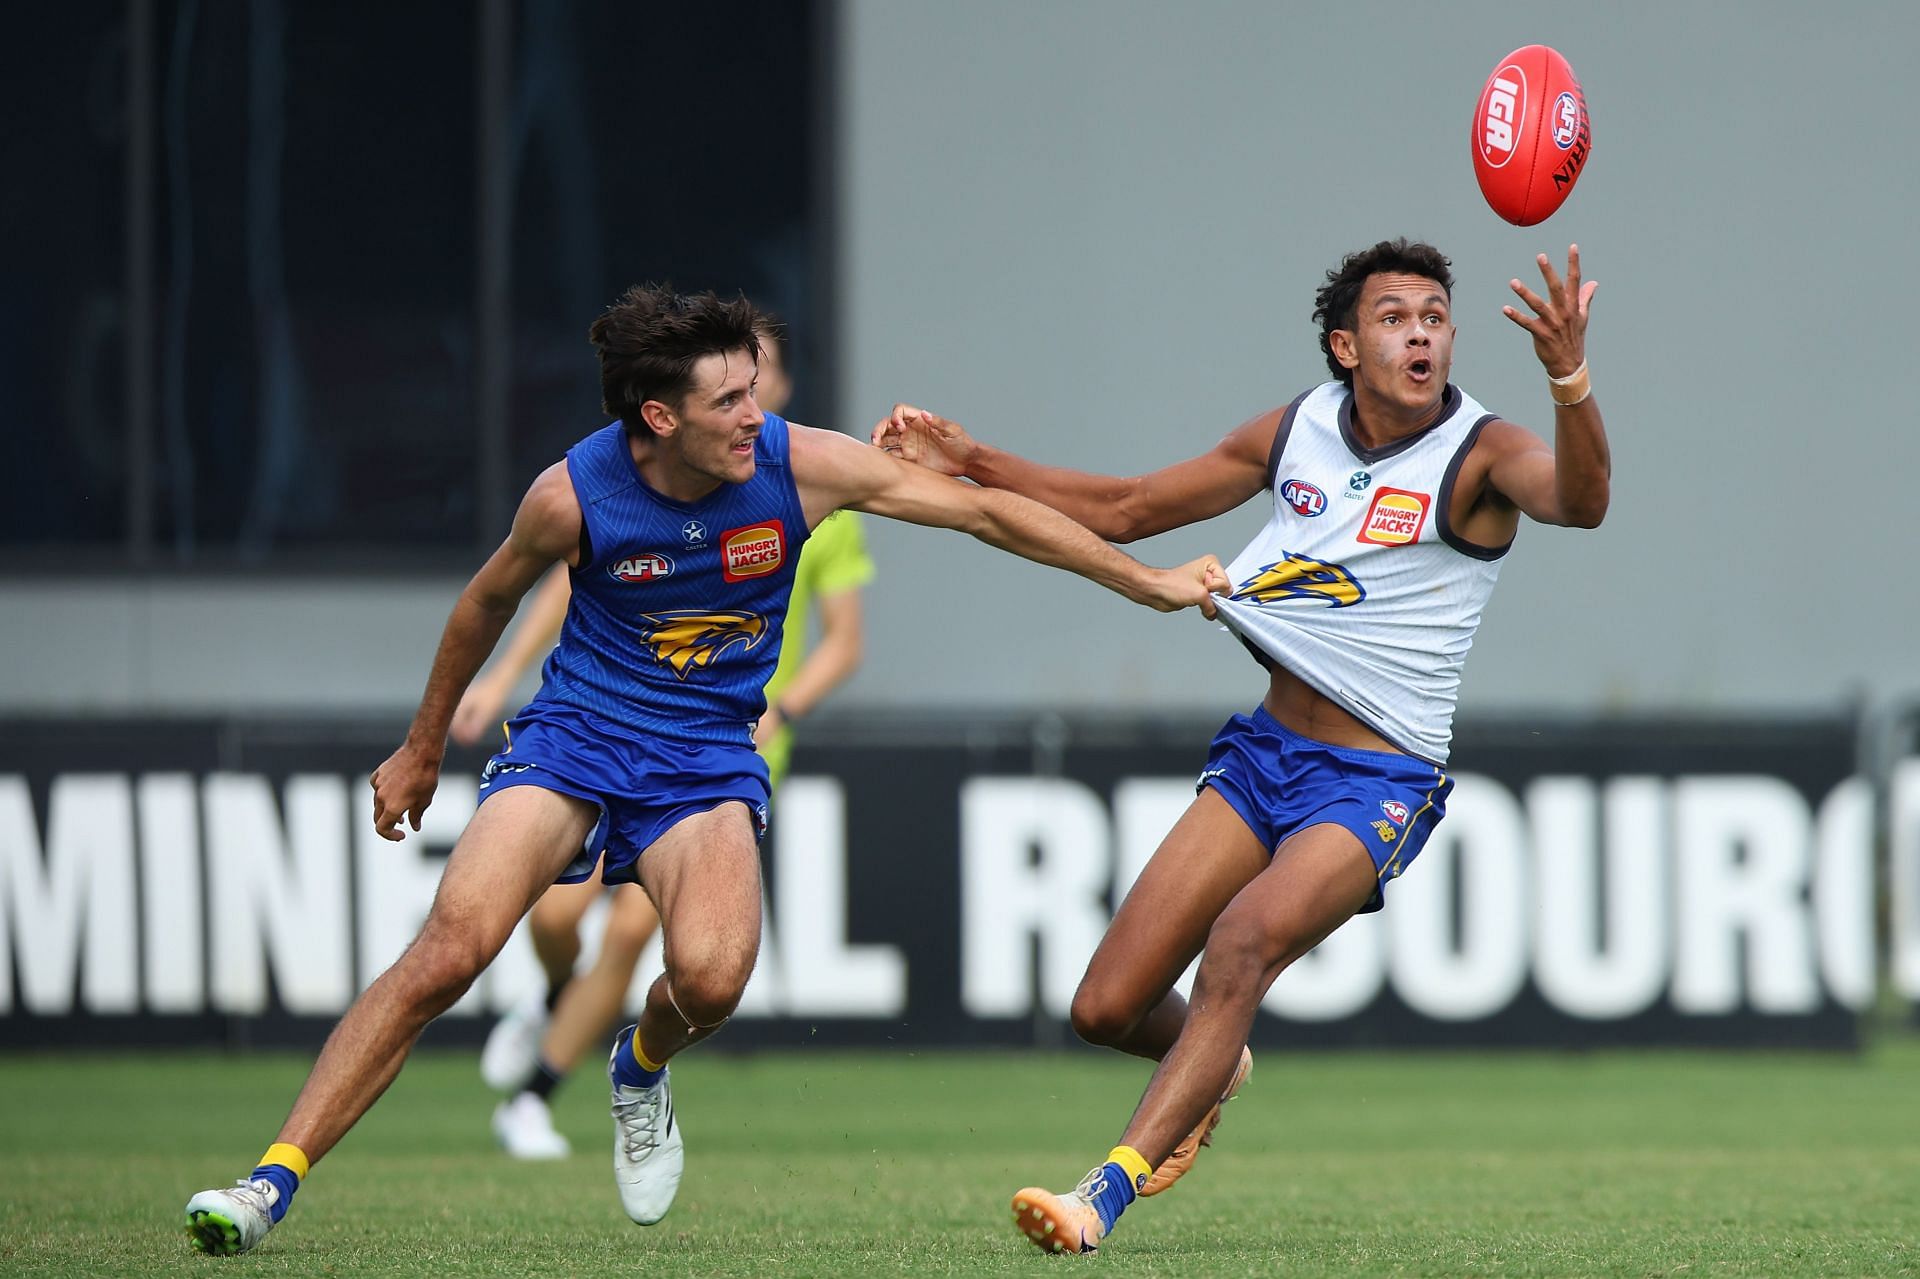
point(1118, 509)
point(835, 472)
point(1571, 482)
point(545, 529)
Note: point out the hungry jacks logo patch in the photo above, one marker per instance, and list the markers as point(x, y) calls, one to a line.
point(753, 551)
point(1395, 518)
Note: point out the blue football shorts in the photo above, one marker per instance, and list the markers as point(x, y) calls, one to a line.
point(1280, 783)
point(643, 784)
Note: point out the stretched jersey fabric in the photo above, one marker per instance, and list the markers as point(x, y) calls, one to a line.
point(1358, 583)
point(678, 607)
point(835, 560)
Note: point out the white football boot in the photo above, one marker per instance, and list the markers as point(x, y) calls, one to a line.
point(513, 1045)
point(232, 1220)
point(524, 1126)
point(648, 1155)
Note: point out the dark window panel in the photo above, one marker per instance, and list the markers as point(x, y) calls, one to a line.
point(62, 271)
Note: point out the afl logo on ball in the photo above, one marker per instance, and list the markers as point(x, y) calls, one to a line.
point(1304, 498)
point(1566, 120)
point(642, 568)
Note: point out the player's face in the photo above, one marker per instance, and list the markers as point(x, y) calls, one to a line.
point(720, 419)
point(1402, 346)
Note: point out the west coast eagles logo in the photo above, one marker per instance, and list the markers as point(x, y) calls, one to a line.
point(1298, 577)
point(689, 639)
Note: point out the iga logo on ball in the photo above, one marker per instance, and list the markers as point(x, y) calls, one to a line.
point(1531, 135)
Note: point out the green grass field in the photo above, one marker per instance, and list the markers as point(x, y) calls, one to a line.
point(840, 1164)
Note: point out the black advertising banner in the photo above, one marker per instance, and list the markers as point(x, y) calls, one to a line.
point(944, 881)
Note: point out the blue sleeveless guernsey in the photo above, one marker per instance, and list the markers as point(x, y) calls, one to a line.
point(649, 702)
point(677, 615)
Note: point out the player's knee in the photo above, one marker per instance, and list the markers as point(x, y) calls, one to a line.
point(439, 967)
point(707, 993)
point(1101, 1017)
point(1240, 949)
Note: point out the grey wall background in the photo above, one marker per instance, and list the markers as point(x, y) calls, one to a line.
point(1092, 232)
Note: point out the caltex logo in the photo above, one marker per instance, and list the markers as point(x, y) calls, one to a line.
point(694, 531)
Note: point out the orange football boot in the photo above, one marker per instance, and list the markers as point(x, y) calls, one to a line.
point(1061, 1223)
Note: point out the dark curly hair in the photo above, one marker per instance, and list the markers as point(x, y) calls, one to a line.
point(652, 337)
point(1334, 306)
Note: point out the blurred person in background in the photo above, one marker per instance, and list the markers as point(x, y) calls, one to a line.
point(1395, 498)
point(683, 520)
point(536, 1044)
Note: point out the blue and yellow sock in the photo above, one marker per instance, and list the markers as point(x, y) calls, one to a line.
point(630, 1067)
point(1126, 1171)
point(286, 1167)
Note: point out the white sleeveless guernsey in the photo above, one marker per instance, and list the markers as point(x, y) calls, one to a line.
point(1358, 584)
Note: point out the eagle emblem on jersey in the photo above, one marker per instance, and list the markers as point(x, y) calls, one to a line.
point(1300, 577)
point(689, 639)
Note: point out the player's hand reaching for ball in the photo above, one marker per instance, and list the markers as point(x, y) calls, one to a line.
point(925, 439)
point(1191, 585)
point(403, 787)
point(1559, 321)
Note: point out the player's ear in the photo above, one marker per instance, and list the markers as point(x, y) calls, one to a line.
point(1340, 341)
point(662, 420)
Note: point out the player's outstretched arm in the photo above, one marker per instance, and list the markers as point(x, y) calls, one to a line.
point(1571, 482)
point(1118, 509)
point(479, 711)
point(545, 529)
point(835, 472)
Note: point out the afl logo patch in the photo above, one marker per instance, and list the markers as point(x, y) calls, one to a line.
point(1566, 120)
point(1395, 518)
point(1305, 499)
point(1395, 810)
point(641, 568)
point(753, 551)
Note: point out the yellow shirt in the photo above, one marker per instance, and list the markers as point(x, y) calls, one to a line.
point(833, 560)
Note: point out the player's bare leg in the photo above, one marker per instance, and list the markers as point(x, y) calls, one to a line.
point(704, 878)
point(517, 842)
point(1317, 880)
point(511, 850)
point(1126, 1000)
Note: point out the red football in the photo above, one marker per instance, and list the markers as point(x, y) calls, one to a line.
point(1531, 136)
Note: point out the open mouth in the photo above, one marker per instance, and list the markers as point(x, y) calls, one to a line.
point(1420, 370)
